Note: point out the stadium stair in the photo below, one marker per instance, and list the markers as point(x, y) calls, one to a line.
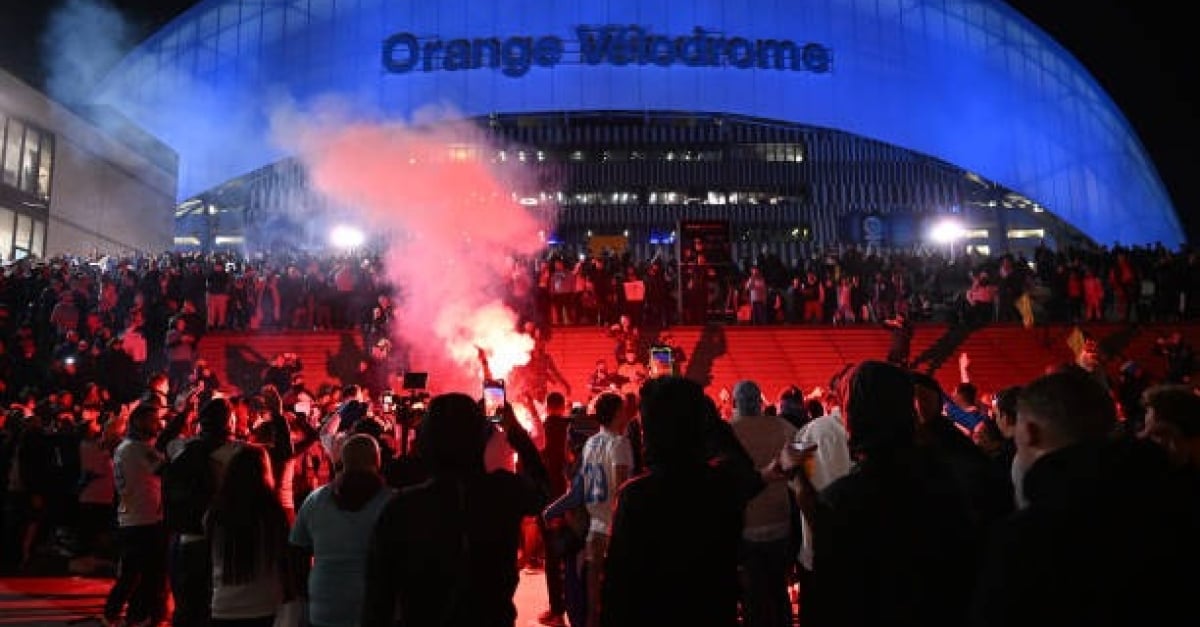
point(719, 356)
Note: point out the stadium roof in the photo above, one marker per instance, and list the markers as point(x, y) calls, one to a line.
point(970, 82)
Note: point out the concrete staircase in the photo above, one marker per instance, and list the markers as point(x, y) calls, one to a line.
point(719, 356)
point(240, 357)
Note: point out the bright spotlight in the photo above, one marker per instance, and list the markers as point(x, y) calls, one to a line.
point(946, 232)
point(344, 236)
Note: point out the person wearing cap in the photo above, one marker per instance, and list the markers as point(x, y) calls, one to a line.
point(767, 541)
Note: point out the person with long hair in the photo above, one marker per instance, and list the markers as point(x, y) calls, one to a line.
point(247, 530)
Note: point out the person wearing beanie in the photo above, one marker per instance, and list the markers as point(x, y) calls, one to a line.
point(767, 536)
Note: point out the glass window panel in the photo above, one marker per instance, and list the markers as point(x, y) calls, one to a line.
point(45, 165)
point(6, 233)
point(24, 233)
point(12, 151)
point(29, 164)
point(39, 238)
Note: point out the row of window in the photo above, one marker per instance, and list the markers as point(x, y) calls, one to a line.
point(659, 197)
point(26, 157)
point(772, 153)
point(21, 235)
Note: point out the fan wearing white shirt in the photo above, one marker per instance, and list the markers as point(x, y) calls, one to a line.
point(607, 460)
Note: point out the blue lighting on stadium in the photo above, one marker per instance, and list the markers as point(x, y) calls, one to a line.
point(969, 82)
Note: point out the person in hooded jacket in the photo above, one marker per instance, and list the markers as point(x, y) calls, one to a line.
point(444, 552)
point(675, 535)
point(892, 540)
point(332, 530)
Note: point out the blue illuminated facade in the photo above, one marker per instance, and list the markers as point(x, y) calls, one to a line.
point(970, 83)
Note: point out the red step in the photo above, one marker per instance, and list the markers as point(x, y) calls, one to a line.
point(773, 356)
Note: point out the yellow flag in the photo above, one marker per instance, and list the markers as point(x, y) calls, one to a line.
point(1025, 306)
point(1075, 341)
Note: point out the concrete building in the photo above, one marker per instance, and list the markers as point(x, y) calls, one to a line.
point(70, 185)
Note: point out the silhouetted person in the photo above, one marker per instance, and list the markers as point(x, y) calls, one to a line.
point(445, 552)
point(673, 553)
point(901, 329)
point(892, 540)
point(1105, 533)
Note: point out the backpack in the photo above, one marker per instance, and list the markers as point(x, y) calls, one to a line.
point(188, 486)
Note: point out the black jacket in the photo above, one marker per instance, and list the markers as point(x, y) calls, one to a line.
point(445, 551)
point(893, 545)
point(1109, 538)
point(673, 556)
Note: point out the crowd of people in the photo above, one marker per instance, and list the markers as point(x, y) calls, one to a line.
point(881, 498)
point(853, 285)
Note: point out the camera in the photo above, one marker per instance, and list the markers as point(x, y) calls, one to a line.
point(388, 400)
point(409, 408)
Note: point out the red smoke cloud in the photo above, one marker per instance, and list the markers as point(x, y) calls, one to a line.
point(455, 228)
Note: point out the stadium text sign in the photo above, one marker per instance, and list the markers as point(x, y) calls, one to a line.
point(601, 45)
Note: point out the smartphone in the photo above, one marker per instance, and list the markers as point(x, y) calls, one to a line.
point(661, 361)
point(494, 397)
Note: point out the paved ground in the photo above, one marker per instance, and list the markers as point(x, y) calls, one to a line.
point(46, 601)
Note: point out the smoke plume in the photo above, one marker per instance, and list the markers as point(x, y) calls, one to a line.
point(454, 228)
point(82, 42)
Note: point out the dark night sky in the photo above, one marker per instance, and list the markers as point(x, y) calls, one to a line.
point(1140, 52)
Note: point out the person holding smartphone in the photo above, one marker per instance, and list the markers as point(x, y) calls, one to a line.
point(497, 453)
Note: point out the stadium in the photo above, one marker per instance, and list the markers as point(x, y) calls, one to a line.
point(803, 125)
